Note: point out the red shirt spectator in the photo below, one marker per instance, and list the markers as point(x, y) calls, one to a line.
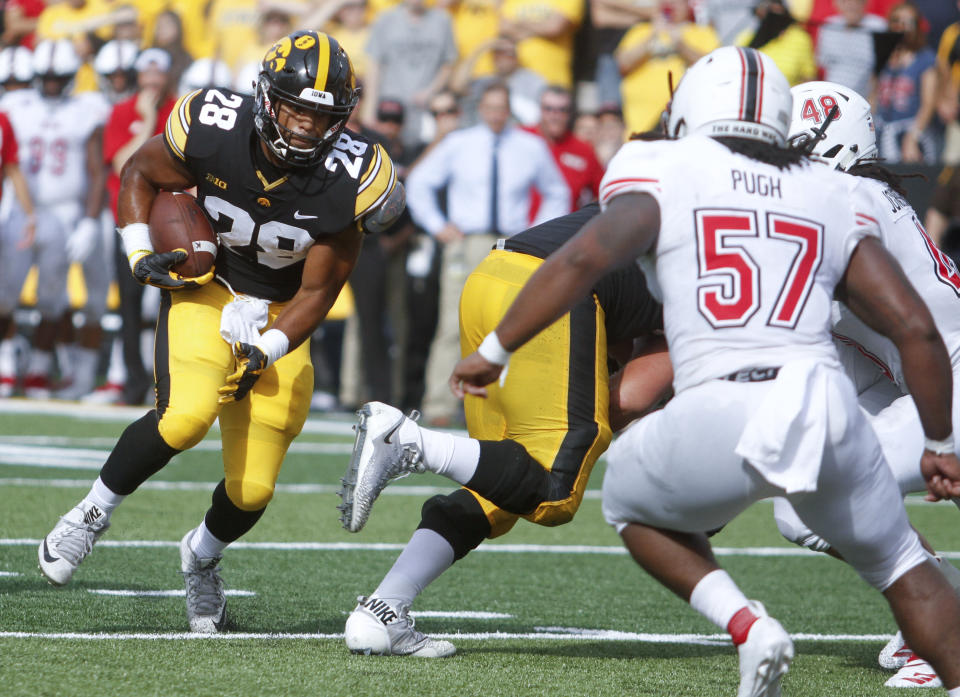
point(9, 154)
point(136, 119)
point(576, 158)
point(20, 20)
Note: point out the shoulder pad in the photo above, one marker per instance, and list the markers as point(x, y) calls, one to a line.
point(388, 212)
point(376, 184)
point(178, 125)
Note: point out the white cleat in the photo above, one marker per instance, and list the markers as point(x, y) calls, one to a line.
point(895, 654)
point(378, 458)
point(384, 628)
point(206, 602)
point(764, 657)
point(70, 541)
point(915, 673)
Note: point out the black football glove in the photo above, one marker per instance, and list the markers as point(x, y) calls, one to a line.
point(156, 270)
point(251, 362)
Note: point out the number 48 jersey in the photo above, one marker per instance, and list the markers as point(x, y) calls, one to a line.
point(267, 218)
point(748, 255)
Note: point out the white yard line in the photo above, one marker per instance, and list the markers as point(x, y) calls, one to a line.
point(615, 550)
point(566, 634)
point(179, 593)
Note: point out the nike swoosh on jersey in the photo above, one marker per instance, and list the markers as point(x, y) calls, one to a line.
point(297, 215)
point(46, 553)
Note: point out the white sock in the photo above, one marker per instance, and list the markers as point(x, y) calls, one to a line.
point(40, 362)
point(116, 370)
point(454, 457)
point(955, 692)
point(102, 497)
point(718, 598)
point(204, 544)
point(426, 556)
point(8, 358)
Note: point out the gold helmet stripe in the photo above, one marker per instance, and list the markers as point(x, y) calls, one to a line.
point(323, 62)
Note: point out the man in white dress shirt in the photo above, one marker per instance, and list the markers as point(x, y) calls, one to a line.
point(463, 164)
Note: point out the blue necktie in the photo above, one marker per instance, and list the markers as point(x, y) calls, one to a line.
point(494, 197)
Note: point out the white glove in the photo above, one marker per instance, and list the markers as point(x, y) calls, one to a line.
point(83, 240)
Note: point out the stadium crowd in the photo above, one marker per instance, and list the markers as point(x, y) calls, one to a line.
point(497, 113)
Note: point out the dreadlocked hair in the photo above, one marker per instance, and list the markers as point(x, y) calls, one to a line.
point(871, 169)
point(781, 158)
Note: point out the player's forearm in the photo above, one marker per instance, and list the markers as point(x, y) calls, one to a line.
point(20, 188)
point(305, 312)
point(929, 377)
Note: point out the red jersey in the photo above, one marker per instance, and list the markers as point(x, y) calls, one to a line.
point(31, 9)
point(9, 155)
point(124, 123)
point(580, 168)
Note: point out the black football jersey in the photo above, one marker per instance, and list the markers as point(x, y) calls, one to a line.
point(629, 309)
point(267, 218)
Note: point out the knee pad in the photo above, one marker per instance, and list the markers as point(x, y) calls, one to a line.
point(183, 431)
point(507, 476)
point(248, 495)
point(457, 518)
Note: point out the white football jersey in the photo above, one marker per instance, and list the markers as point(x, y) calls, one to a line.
point(52, 134)
point(748, 255)
point(933, 274)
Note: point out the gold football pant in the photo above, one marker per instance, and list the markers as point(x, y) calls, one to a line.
point(554, 400)
point(192, 361)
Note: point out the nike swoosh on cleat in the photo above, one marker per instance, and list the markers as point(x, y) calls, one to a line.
point(386, 436)
point(46, 553)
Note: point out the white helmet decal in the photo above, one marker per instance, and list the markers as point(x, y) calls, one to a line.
point(737, 92)
point(841, 141)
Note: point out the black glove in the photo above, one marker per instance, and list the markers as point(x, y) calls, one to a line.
point(155, 270)
point(251, 362)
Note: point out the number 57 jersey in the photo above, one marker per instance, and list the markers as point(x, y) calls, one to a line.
point(267, 218)
point(748, 255)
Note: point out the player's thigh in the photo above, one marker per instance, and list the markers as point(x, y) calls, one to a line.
point(898, 429)
point(258, 430)
point(191, 362)
point(858, 507)
point(677, 469)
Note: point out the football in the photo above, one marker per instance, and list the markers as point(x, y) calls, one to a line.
point(178, 222)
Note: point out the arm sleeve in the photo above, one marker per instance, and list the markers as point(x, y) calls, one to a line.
point(866, 221)
point(376, 183)
point(423, 183)
point(177, 130)
point(634, 169)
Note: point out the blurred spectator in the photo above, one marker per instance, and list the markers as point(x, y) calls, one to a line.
point(652, 50)
point(610, 20)
point(132, 122)
point(20, 22)
point(575, 158)
point(232, 27)
point(411, 54)
point(730, 18)
point(272, 26)
point(845, 45)
point(586, 126)
point(779, 36)
point(488, 171)
point(475, 23)
point(114, 66)
point(939, 14)
point(168, 35)
point(524, 85)
point(610, 132)
point(943, 216)
point(346, 20)
point(948, 90)
point(906, 93)
point(543, 30)
point(70, 18)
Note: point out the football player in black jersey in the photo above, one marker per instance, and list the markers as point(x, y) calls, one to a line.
point(533, 442)
point(290, 193)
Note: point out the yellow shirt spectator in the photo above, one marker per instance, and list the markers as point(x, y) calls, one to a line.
point(645, 89)
point(476, 22)
point(551, 58)
point(792, 51)
point(233, 26)
point(64, 20)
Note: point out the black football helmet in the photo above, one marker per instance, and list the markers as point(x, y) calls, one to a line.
point(311, 70)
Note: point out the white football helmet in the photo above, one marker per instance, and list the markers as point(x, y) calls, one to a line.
point(16, 64)
point(55, 57)
point(203, 73)
point(732, 91)
point(840, 142)
point(115, 56)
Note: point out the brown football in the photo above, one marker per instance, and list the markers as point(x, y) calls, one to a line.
point(178, 222)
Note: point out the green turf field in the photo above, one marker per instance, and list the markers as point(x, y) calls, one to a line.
point(558, 612)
